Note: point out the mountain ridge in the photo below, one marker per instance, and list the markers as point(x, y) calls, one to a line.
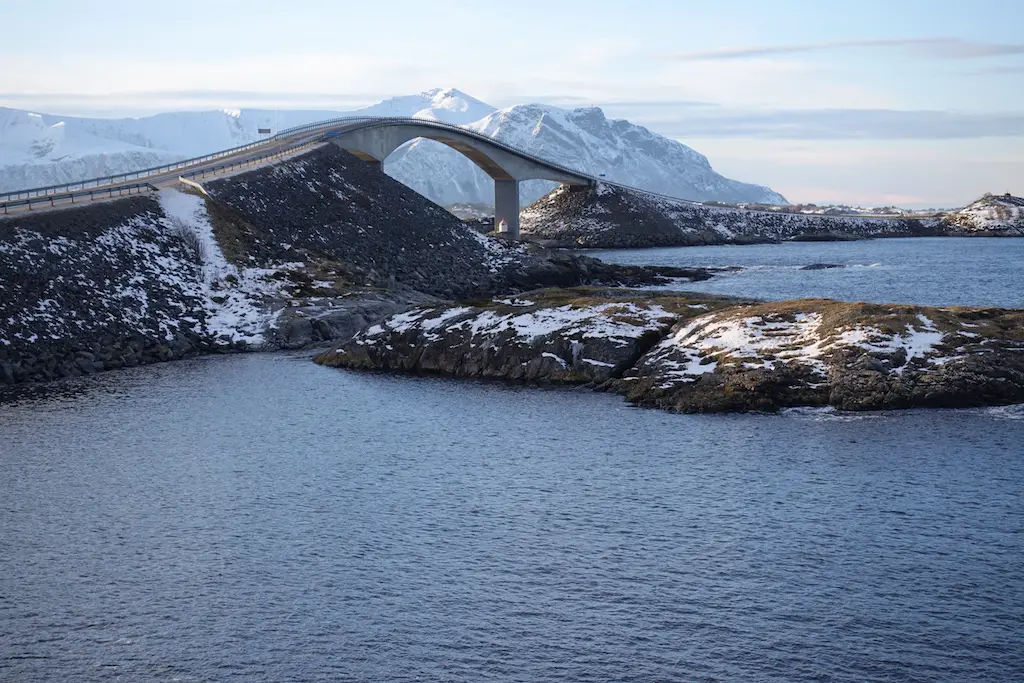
point(45, 149)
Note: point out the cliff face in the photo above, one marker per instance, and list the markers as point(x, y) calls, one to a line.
point(711, 354)
point(609, 217)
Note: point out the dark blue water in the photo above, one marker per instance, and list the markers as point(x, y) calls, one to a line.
point(259, 518)
point(935, 271)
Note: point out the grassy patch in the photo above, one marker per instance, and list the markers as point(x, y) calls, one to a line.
point(232, 231)
point(682, 304)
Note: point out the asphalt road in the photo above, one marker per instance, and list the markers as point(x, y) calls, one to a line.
point(232, 163)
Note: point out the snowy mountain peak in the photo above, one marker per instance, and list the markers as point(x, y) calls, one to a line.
point(452, 106)
point(439, 95)
point(618, 150)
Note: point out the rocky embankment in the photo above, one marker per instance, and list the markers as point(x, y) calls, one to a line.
point(312, 249)
point(100, 287)
point(610, 217)
point(695, 353)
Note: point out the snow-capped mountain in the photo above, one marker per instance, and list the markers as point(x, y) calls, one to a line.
point(446, 105)
point(583, 139)
point(41, 149)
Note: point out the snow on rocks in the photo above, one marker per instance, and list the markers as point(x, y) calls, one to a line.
point(816, 352)
point(122, 283)
point(235, 299)
point(612, 217)
point(570, 342)
point(671, 351)
point(990, 215)
point(330, 204)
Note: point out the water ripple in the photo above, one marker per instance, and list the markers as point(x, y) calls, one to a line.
point(261, 519)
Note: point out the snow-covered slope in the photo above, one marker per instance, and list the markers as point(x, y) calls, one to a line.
point(992, 214)
point(41, 149)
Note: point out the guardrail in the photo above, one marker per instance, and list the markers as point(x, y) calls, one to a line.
point(251, 161)
point(52, 199)
point(121, 190)
point(157, 170)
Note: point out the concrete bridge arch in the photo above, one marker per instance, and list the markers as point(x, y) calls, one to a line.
point(375, 141)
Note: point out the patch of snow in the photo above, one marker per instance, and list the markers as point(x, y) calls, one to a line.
point(515, 302)
point(557, 359)
point(235, 298)
point(918, 341)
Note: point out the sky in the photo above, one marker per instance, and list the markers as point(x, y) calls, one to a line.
point(908, 102)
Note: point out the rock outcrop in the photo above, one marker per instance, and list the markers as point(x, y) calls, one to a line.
point(610, 217)
point(693, 353)
point(990, 216)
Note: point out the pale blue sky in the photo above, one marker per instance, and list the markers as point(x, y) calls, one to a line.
point(870, 101)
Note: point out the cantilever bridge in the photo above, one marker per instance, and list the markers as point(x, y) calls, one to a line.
point(372, 139)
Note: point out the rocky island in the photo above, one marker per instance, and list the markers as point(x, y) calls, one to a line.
point(698, 353)
point(611, 217)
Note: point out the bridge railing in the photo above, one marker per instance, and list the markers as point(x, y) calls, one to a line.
point(13, 199)
point(92, 194)
point(370, 122)
point(110, 191)
point(250, 161)
point(163, 168)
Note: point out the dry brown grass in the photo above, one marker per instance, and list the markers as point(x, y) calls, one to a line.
point(889, 319)
point(677, 303)
point(231, 230)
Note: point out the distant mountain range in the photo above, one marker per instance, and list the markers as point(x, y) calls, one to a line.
point(43, 149)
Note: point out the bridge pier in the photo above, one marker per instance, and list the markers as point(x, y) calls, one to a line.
point(506, 207)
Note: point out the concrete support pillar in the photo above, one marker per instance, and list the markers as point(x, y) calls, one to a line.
point(506, 207)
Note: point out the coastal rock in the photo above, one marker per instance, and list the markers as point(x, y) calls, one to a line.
point(559, 336)
point(990, 216)
point(339, 318)
point(847, 355)
point(279, 257)
point(615, 218)
point(710, 354)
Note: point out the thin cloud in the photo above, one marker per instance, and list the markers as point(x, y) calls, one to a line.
point(937, 48)
point(658, 104)
point(847, 124)
point(199, 95)
point(1000, 70)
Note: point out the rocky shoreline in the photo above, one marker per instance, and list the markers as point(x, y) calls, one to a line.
point(326, 248)
point(610, 217)
point(698, 353)
point(307, 251)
